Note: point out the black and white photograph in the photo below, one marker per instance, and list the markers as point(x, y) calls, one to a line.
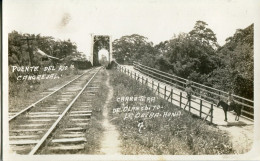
point(130, 80)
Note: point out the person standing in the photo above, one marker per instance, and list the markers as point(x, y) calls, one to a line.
point(230, 98)
point(230, 101)
point(189, 92)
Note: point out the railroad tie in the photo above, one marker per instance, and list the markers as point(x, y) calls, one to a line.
point(32, 125)
point(53, 106)
point(23, 142)
point(74, 129)
point(71, 135)
point(69, 92)
point(19, 148)
point(40, 120)
point(63, 100)
point(69, 140)
point(91, 94)
point(68, 147)
point(94, 87)
point(39, 116)
point(75, 112)
point(84, 106)
point(23, 137)
point(80, 119)
point(40, 113)
point(78, 124)
point(27, 130)
point(80, 115)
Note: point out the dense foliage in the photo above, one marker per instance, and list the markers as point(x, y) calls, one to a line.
point(21, 52)
point(196, 55)
point(237, 63)
point(130, 48)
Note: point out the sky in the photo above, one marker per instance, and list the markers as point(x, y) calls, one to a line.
point(158, 20)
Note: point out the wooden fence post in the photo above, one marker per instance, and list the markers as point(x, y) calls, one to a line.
point(243, 101)
point(180, 99)
point(171, 94)
point(189, 105)
point(165, 92)
point(152, 85)
point(200, 108)
point(142, 79)
point(146, 81)
point(158, 89)
point(211, 118)
point(135, 76)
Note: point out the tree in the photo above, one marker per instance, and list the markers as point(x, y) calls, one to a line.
point(204, 34)
point(131, 48)
point(187, 55)
point(237, 56)
point(18, 51)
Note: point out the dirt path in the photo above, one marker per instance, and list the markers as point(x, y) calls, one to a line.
point(242, 137)
point(110, 143)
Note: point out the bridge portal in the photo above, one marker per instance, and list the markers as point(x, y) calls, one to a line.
point(99, 42)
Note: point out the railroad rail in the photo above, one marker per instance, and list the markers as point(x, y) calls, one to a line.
point(205, 92)
point(30, 129)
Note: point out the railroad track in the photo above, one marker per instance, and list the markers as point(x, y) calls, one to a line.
point(36, 128)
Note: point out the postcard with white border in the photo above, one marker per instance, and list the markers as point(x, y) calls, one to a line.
point(131, 80)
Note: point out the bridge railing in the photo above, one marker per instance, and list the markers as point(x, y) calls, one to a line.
point(205, 92)
point(178, 98)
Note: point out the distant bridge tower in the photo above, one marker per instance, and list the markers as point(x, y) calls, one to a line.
point(103, 41)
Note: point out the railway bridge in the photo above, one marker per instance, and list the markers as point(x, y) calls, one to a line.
point(99, 42)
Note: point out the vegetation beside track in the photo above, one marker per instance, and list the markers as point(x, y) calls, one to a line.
point(177, 135)
point(23, 94)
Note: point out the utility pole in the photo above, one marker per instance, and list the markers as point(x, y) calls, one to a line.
point(30, 50)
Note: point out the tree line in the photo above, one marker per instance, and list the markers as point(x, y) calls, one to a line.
point(197, 56)
point(23, 52)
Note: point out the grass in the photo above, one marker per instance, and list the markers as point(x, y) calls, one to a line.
point(179, 135)
point(22, 94)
